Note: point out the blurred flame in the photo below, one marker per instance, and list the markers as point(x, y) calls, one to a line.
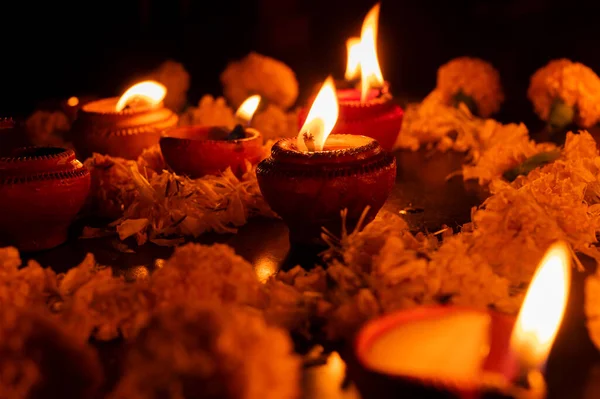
point(321, 119)
point(336, 368)
point(149, 91)
point(265, 268)
point(353, 62)
point(543, 308)
point(369, 64)
point(73, 101)
point(246, 111)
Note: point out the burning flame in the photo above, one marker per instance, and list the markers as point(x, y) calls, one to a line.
point(149, 91)
point(353, 62)
point(543, 308)
point(321, 119)
point(369, 64)
point(246, 111)
point(73, 101)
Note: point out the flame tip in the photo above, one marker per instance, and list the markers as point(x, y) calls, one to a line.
point(149, 91)
point(248, 108)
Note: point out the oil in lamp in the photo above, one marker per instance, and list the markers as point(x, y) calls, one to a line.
point(42, 189)
point(123, 127)
point(196, 151)
point(455, 352)
point(370, 110)
point(310, 179)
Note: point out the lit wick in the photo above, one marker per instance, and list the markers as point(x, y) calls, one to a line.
point(243, 117)
point(309, 141)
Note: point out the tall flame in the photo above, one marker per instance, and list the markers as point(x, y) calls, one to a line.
point(148, 91)
point(369, 63)
point(321, 119)
point(543, 308)
point(246, 111)
point(353, 61)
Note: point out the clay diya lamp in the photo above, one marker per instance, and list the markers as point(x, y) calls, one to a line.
point(41, 191)
point(456, 352)
point(309, 180)
point(197, 151)
point(369, 110)
point(123, 127)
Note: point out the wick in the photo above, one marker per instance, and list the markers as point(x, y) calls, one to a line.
point(530, 384)
point(352, 84)
point(238, 132)
point(309, 141)
point(242, 121)
point(383, 90)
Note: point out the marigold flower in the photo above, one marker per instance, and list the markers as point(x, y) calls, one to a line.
point(209, 112)
point(95, 302)
point(273, 122)
point(24, 286)
point(206, 351)
point(257, 74)
point(564, 91)
point(472, 81)
point(38, 356)
point(206, 273)
point(176, 79)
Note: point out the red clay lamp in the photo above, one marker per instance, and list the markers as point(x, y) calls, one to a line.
point(310, 179)
point(123, 126)
point(42, 189)
point(455, 352)
point(197, 151)
point(369, 110)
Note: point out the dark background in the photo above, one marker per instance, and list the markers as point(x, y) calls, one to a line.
point(59, 49)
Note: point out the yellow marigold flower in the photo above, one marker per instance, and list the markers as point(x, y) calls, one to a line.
point(467, 79)
point(257, 74)
point(205, 351)
point(273, 122)
point(176, 79)
point(564, 91)
point(209, 112)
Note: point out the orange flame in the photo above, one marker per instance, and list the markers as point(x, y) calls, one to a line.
point(321, 119)
point(353, 61)
point(148, 91)
point(369, 63)
point(543, 308)
point(246, 111)
point(73, 101)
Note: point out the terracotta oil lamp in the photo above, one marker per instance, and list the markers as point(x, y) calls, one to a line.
point(196, 151)
point(369, 110)
point(123, 127)
point(309, 180)
point(455, 352)
point(42, 189)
